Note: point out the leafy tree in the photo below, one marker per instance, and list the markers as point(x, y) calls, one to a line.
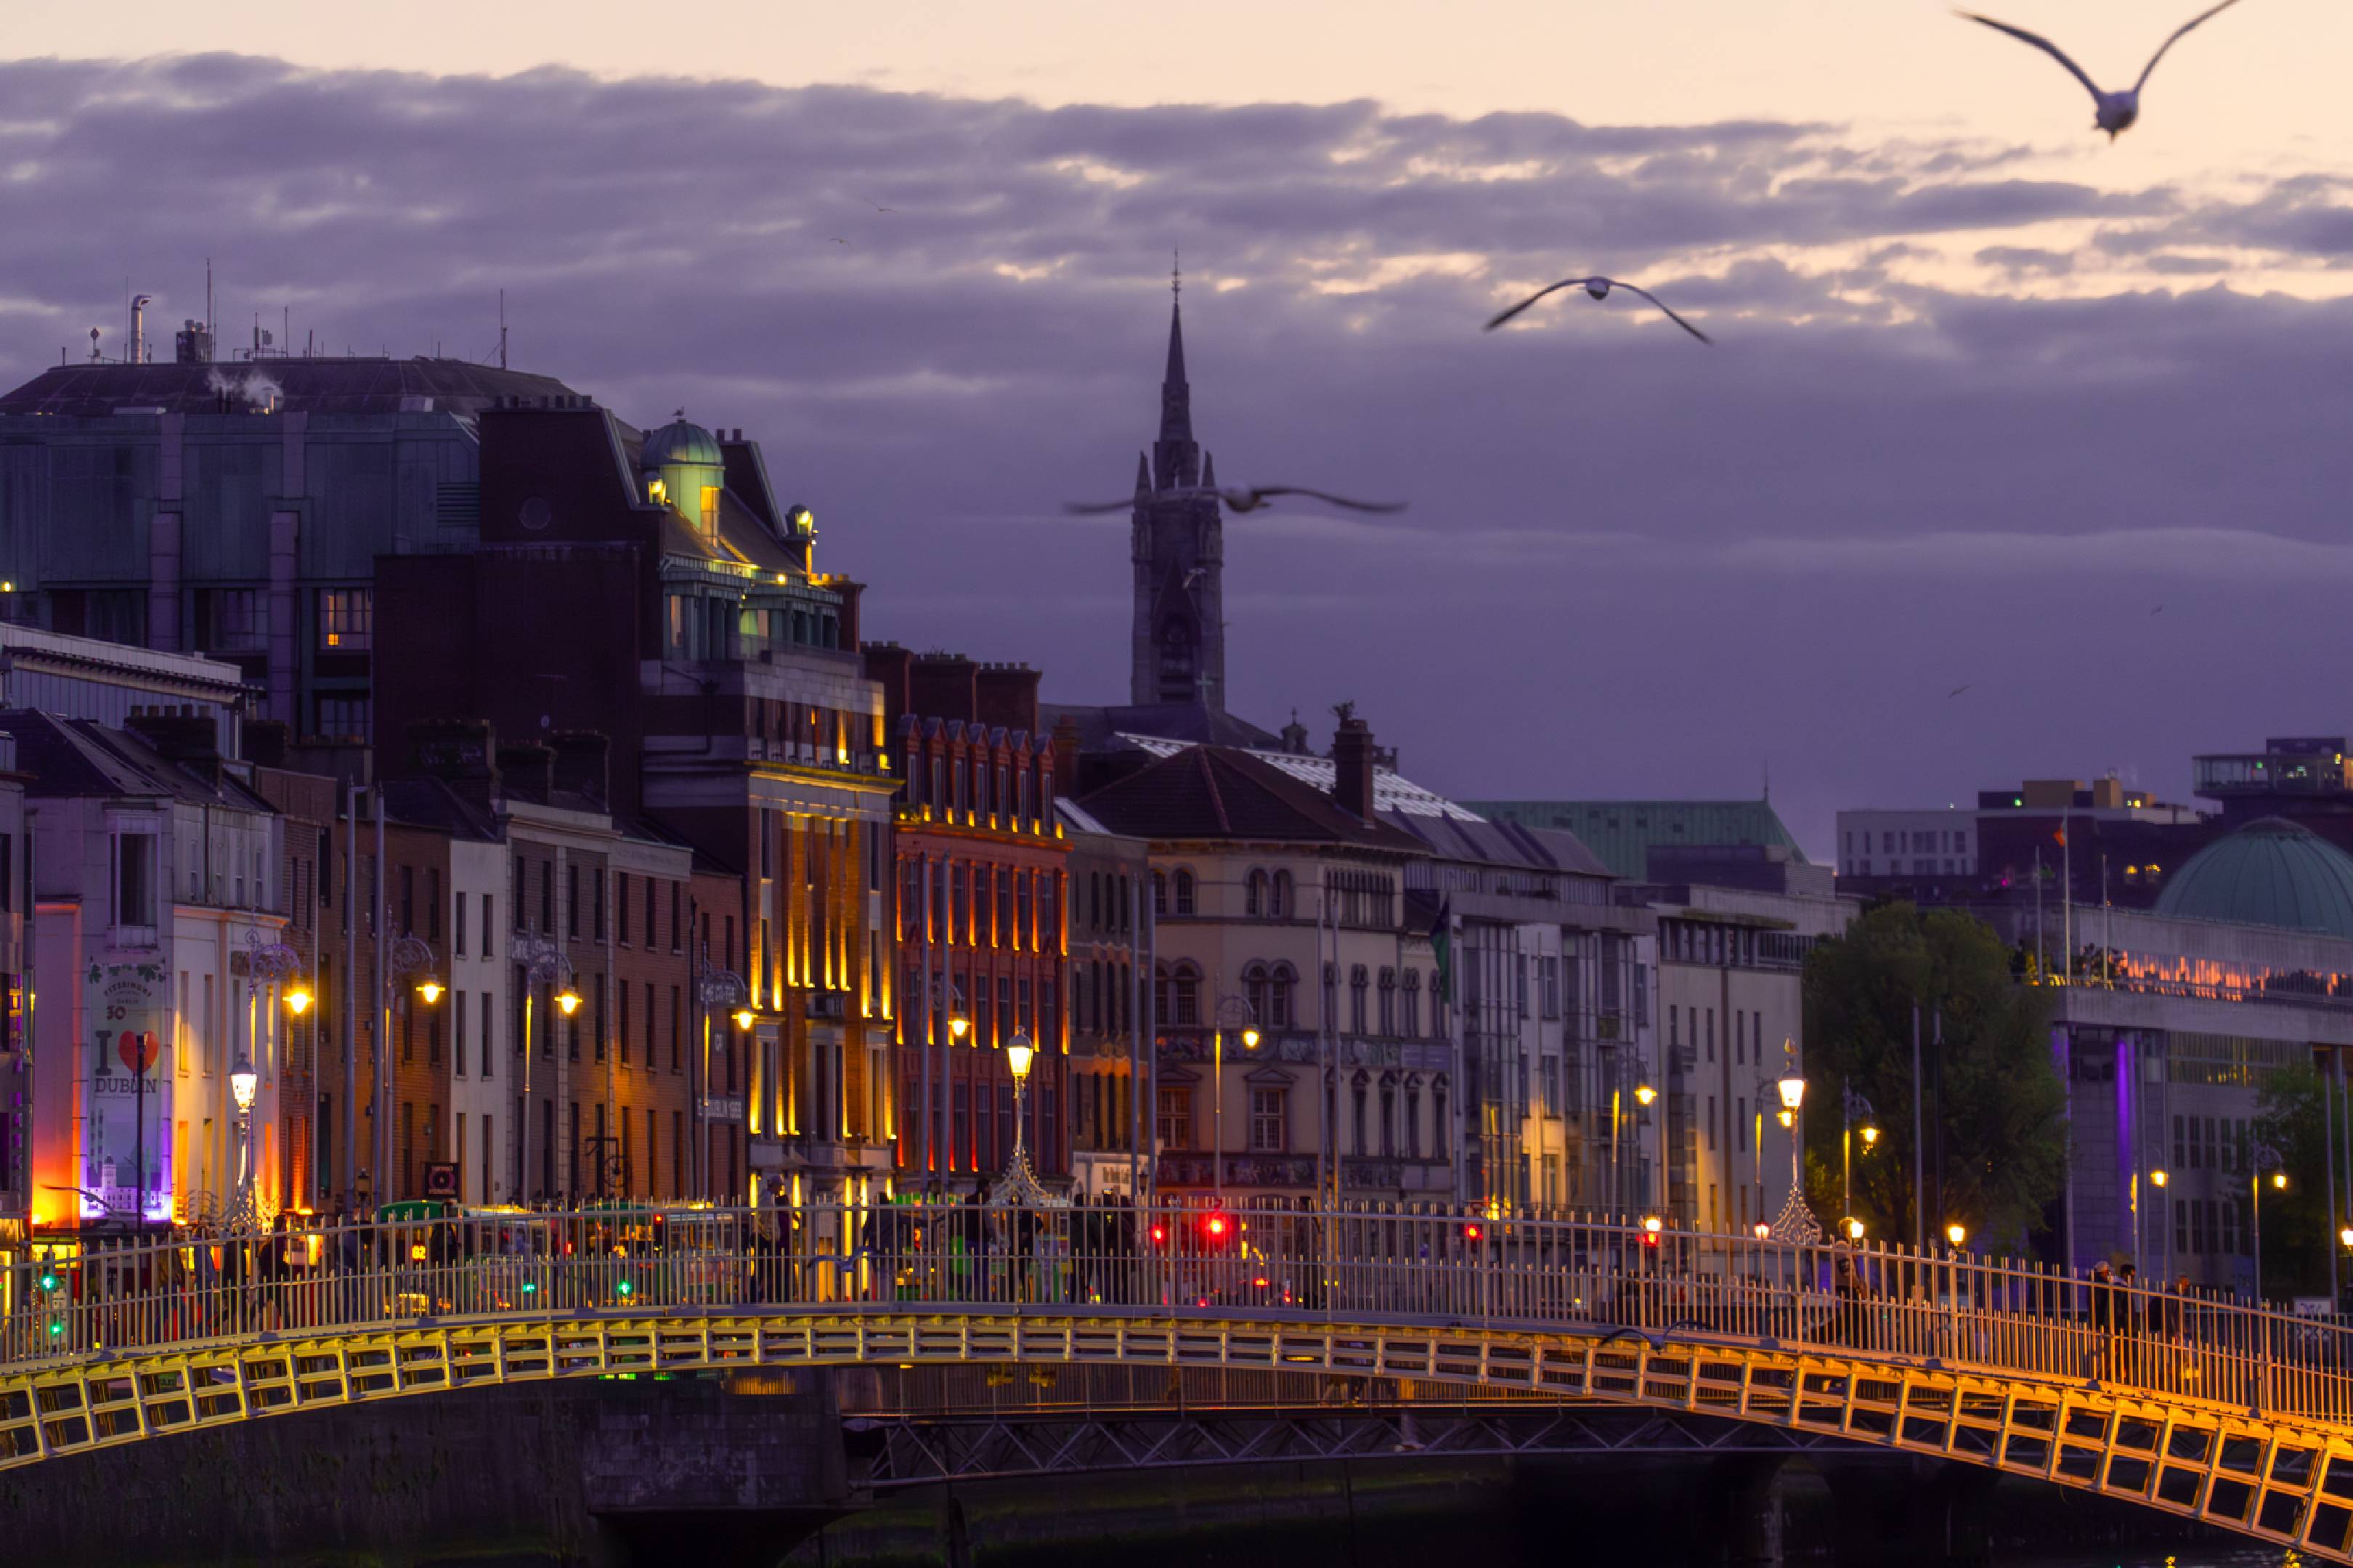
point(1995, 1093)
point(2291, 1122)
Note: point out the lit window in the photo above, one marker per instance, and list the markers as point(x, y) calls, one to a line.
point(711, 512)
point(346, 619)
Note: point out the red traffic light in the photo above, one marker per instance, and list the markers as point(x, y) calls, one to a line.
point(1159, 1234)
point(1214, 1227)
point(1649, 1238)
point(1471, 1232)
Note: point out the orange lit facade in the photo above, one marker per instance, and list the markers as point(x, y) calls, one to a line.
point(980, 887)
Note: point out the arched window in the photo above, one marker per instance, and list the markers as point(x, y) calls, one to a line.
point(1254, 992)
point(1254, 888)
point(1278, 905)
point(1186, 982)
point(1332, 996)
point(1388, 1001)
point(1281, 986)
point(1159, 893)
point(1357, 1087)
point(1413, 1117)
point(1388, 1114)
point(1412, 1004)
point(1184, 891)
point(1160, 1015)
point(1359, 982)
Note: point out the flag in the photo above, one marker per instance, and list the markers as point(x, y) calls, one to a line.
point(2062, 836)
point(1441, 941)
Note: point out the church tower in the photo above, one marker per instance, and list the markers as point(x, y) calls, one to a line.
point(1179, 547)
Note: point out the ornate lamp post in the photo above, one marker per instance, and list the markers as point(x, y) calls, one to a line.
point(267, 965)
point(1233, 1013)
point(1019, 1183)
point(1796, 1221)
point(543, 961)
point(409, 956)
point(243, 1083)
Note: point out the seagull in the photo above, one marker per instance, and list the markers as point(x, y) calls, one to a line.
point(2158, 610)
point(2116, 110)
point(1237, 500)
point(1955, 691)
point(838, 240)
point(1195, 576)
point(1599, 288)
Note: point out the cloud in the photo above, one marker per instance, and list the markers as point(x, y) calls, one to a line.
point(1650, 555)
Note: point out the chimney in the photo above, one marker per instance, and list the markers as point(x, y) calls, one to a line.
point(892, 666)
point(1066, 757)
point(1008, 696)
point(528, 771)
point(581, 760)
point(945, 686)
point(1352, 767)
point(266, 741)
point(191, 741)
point(460, 752)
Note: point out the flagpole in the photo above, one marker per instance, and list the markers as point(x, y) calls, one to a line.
point(2066, 901)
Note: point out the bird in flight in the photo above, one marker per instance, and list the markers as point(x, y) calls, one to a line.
point(2116, 110)
point(1599, 288)
point(1257, 498)
point(1955, 691)
point(1238, 501)
point(838, 240)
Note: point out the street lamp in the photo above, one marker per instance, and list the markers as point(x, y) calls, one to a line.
point(1853, 1226)
point(1644, 1094)
point(1764, 1230)
point(1796, 1221)
point(1233, 1013)
point(1957, 1232)
point(542, 961)
point(744, 1018)
point(298, 1000)
point(1019, 1183)
point(2263, 1158)
point(430, 990)
point(1851, 1105)
point(243, 1084)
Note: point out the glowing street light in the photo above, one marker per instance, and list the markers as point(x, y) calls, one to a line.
point(1957, 1232)
point(1853, 1226)
point(568, 1000)
point(430, 989)
point(1644, 1094)
point(298, 1000)
point(744, 1017)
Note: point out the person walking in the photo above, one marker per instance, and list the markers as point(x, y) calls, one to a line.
point(2103, 1317)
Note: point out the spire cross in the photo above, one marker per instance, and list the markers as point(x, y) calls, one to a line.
point(1176, 272)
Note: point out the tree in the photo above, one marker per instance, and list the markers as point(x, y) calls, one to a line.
point(1994, 1107)
point(2290, 1120)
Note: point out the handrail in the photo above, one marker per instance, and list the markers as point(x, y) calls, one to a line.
point(1357, 1263)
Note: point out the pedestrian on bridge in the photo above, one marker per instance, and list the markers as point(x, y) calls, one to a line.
point(2103, 1318)
point(1853, 1293)
point(2132, 1322)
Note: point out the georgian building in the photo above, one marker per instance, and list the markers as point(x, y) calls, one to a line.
point(1278, 911)
point(1109, 933)
point(980, 889)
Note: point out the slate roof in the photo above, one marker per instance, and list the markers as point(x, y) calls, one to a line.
point(309, 385)
point(76, 757)
point(1620, 832)
point(1218, 792)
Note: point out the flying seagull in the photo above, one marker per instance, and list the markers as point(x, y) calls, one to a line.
point(1599, 288)
point(1955, 691)
point(1254, 499)
point(2116, 110)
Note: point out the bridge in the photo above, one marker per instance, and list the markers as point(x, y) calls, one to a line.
point(1517, 1326)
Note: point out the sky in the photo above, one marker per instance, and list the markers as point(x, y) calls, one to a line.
point(2018, 454)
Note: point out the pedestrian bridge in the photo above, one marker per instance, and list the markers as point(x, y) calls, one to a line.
point(2203, 1408)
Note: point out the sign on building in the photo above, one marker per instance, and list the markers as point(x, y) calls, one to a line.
point(125, 1148)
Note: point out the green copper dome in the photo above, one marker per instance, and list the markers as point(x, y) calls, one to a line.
point(2269, 873)
point(680, 443)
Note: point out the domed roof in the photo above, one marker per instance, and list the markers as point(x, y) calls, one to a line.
point(2269, 873)
point(680, 442)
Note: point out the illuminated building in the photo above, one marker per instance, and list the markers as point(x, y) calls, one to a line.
point(980, 893)
point(650, 590)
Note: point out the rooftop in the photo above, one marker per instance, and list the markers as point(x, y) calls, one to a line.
point(2272, 872)
point(1621, 832)
point(289, 386)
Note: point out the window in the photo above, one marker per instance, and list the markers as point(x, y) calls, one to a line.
point(1388, 1001)
point(457, 928)
point(1186, 983)
point(1412, 1004)
point(1278, 906)
point(1254, 895)
point(134, 879)
point(487, 926)
point(1268, 1121)
point(237, 620)
point(1174, 1124)
point(1282, 988)
point(1254, 992)
point(346, 619)
point(572, 899)
point(1184, 891)
point(621, 904)
point(711, 512)
point(342, 717)
point(1159, 893)
point(486, 1010)
point(458, 1032)
point(1359, 982)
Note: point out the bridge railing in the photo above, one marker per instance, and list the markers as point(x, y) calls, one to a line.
point(1351, 1263)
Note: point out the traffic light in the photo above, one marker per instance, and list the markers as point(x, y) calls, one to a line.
point(49, 1279)
point(1473, 1230)
point(625, 1288)
point(1159, 1235)
point(1216, 1227)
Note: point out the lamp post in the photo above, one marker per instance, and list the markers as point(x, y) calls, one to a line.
point(2263, 1164)
point(941, 994)
point(2156, 1178)
point(407, 956)
point(1018, 1184)
point(266, 964)
point(542, 961)
point(1233, 1013)
point(1852, 1106)
point(724, 990)
point(1796, 1221)
point(1644, 1096)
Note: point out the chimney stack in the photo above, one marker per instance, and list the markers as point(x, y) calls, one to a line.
point(1066, 757)
point(527, 770)
point(581, 762)
point(1352, 767)
point(460, 753)
point(1008, 698)
point(190, 739)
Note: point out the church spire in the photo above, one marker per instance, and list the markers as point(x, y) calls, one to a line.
point(1176, 393)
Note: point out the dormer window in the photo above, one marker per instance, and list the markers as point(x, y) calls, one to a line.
point(711, 512)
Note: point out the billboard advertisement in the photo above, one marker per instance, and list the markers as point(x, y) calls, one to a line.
point(126, 1143)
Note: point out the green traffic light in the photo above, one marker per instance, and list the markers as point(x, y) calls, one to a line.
point(48, 1279)
point(625, 1287)
point(56, 1327)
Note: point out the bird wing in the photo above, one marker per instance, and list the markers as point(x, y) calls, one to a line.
point(1328, 496)
point(1550, 288)
point(2201, 16)
point(1661, 304)
point(1092, 509)
point(2054, 51)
